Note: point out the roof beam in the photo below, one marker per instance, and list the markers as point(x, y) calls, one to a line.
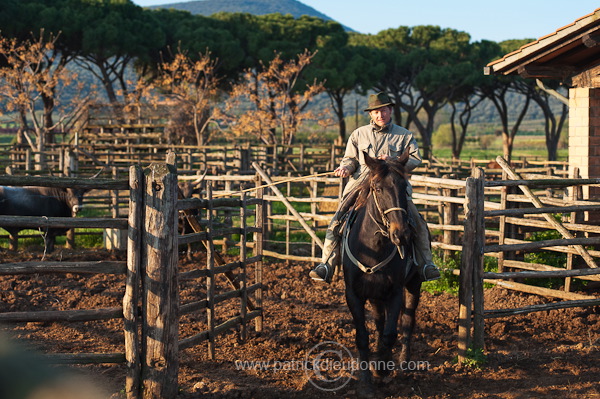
point(588, 78)
point(590, 40)
point(552, 92)
point(546, 72)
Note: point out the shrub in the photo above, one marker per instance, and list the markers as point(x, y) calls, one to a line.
point(442, 137)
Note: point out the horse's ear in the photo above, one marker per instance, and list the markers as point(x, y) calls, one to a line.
point(403, 159)
point(371, 162)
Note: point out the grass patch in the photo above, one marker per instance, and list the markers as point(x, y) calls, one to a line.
point(489, 146)
point(82, 240)
point(474, 359)
point(449, 282)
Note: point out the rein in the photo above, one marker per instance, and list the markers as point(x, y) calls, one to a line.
point(386, 223)
point(361, 266)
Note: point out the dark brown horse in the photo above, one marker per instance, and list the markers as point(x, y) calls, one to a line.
point(377, 267)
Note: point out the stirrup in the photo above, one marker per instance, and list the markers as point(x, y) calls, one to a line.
point(322, 272)
point(429, 272)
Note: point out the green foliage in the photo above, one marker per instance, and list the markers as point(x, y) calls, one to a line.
point(280, 208)
point(7, 139)
point(432, 65)
point(448, 282)
point(551, 258)
point(490, 150)
point(83, 240)
point(36, 239)
point(442, 137)
point(474, 359)
point(298, 234)
point(490, 264)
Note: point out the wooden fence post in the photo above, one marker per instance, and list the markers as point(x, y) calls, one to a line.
point(132, 294)
point(288, 222)
point(210, 277)
point(314, 193)
point(333, 154)
point(28, 160)
point(243, 267)
point(576, 195)
point(478, 304)
point(450, 217)
point(472, 260)
point(160, 300)
point(259, 242)
point(68, 159)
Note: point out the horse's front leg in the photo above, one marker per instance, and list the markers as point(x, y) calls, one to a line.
point(385, 342)
point(357, 308)
point(389, 334)
point(379, 316)
point(413, 294)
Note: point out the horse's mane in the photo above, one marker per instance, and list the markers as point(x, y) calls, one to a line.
point(376, 174)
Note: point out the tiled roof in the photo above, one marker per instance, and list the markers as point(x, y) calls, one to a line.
point(546, 48)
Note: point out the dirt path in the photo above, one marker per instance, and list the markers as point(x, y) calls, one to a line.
point(540, 355)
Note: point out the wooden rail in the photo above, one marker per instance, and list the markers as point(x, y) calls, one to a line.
point(472, 312)
point(151, 338)
point(473, 210)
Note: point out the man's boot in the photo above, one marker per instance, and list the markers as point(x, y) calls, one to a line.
point(331, 247)
point(331, 259)
point(422, 242)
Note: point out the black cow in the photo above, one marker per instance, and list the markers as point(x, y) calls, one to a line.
point(187, 190)
point(39, 201)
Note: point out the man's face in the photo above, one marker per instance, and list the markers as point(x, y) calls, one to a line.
point(381, 116)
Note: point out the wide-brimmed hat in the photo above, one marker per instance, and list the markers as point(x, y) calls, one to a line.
point(377, 101)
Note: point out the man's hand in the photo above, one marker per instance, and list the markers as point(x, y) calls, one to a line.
point(341, 171)
point(384, 157)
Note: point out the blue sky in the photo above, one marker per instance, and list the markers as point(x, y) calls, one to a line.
point(497, 21)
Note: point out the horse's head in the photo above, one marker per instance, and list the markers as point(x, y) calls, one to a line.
point(385, 193)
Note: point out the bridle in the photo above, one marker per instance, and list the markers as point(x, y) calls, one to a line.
point(383, 214)
point(386, 223)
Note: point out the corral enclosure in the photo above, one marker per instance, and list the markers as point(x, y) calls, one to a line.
point(440, 192)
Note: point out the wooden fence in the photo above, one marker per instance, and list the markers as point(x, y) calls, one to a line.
point(72, 159)
point(151, 338)
point(488, 214)
point(547, 213)
point(456, 216)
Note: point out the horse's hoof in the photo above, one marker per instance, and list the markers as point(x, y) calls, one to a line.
point(365, 391)
point(382, 372)
point(384, 365)
point(365, 385)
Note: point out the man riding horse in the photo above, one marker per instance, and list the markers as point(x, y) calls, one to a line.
point(384, 140)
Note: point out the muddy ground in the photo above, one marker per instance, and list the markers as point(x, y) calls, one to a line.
point(539, 355)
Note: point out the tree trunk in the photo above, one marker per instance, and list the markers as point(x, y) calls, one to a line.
point(48, 121)
point(40, 149)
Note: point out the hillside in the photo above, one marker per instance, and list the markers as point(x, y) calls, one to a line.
point(255, 7)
